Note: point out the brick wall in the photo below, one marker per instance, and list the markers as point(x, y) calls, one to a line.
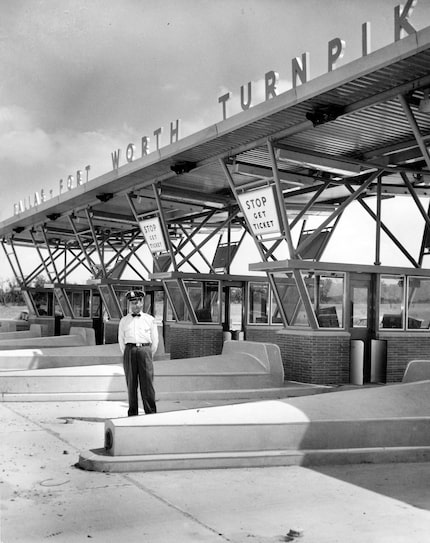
point(309, 357)
point(401, 349)
point(188, 341)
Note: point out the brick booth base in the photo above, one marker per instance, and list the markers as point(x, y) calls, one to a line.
point(188, 340)
point(401, 349)
point(321, 358)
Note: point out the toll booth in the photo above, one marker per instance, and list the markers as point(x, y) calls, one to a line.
point(59, 307)
point(204, 310)
point(351, 323)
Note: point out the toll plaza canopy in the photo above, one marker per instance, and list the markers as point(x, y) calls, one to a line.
point(358, 133)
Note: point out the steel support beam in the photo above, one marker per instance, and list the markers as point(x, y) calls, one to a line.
point(281, 205)
point(338, 211)
point(96, 242)
point(91, 263)
point(18, 273)
point(385, 229)
point(36, 244)
point(378, 222)
point(48, 248)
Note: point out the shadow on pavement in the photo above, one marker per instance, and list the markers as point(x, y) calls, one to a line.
point(409, 483)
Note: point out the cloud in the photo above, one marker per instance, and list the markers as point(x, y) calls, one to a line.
point(22, 144)
point(32, 159)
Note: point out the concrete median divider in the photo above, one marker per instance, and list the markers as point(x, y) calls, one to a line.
point(385, 424)
point(14, 325)
point(78, 336)
point(417, 370)
point(35, 330)
point(242, 370)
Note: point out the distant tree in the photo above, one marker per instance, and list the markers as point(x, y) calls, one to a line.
point(10, 293)
point(40, 281)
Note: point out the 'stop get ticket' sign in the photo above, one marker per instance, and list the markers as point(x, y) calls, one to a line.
point(153, 233)
point(260, 211)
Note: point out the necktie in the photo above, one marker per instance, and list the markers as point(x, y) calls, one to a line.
point(135, 314)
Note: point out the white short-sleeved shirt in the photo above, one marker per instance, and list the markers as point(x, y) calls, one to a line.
point(141, 329)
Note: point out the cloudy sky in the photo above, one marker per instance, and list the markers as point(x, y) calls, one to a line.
point(80, 78)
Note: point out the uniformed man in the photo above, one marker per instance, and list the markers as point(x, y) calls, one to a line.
point(138, 341)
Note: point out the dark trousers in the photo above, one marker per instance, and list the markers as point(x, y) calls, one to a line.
point(139, 369)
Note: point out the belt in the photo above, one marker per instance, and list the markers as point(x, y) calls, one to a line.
point(139, 344)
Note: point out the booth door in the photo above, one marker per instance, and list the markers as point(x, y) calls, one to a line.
point(362, 318)
point(97, 315)
point(233, 296)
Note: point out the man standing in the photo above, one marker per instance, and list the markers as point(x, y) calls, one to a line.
point(138, 341)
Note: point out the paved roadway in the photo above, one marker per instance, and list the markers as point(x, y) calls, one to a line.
point(45, 497)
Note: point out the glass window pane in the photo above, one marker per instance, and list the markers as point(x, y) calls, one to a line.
point(43, 303)
point(330, 288)
point(258, 303)
point(391, 301)
point(177, 300)
point(77, 303)
point(95, 306)
point(108, 295)
point(276, 312)
point(290, 299)
point(86, 306)
point(158, 304)
point(360, 303)
point(63, 302)
point(204, 297)
point(169, 311)
point(418, 303)
point(236, 304)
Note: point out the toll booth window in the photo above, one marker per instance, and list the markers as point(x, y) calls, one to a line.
point(177, 300)
point(58, 311)
point(290, 298)
point(87, 303)
point(276, 314)
point(359, 306)
point(158, 304)
point(147, 304)
point(122, 300)
point(258, 303)
point(95, 305)
point(204, 297)
point(43, 302)
point(235, 309)
point(110, 307)
point(169, 311)
point(80, 301)
point(77, 299)
point(391, 303)
point(418, 303)
point(329, 296)
point(63, 302)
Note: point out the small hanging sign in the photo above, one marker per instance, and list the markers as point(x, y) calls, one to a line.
point(260, 211)
point(153, 233)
